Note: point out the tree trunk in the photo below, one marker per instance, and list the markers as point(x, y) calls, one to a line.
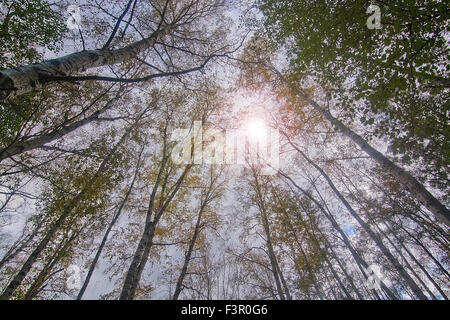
point(312, 235)
point(408, 265)
point(362, 264)
point(17, 280)
point(430, 278)
point(440, 266)
point(188, 254)
point(283, 281)
point(271, 252)
point(352, 283)
point(110, 226)
point(142, 252)
point(17, 81)
point(127, 289)
point(411, 283)
point(336, 276)
point(45, 273)
point(414, 186)
point(297, 240)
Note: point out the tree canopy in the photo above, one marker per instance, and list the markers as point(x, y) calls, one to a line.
point(224, 149)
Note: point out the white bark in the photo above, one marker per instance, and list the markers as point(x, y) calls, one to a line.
point(17, 81)
point(415, 187)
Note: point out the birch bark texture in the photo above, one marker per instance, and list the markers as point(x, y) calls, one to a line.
point(17, 81)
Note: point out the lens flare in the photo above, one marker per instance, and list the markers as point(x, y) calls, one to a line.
point(256, 129)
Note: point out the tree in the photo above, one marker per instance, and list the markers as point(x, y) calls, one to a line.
point(25, 25)
point(209, 193)
point(394, 79)
point(106, 176)
point(66, 210)
point(108, 230)
point(172, 20)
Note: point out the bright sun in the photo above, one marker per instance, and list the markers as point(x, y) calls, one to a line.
point(256, 129)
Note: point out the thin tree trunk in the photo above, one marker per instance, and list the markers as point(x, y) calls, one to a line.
point(330, 265)
point(312, 235)
point(311, 274)
point(414, 186)
point(411, 283)
point(330, 286)
point(318, 288)
point(274, 267)
point(187, 259)
point(141, 254)
point(159, 214)
point(362, 264)
point(271, 252)
point(336, 276)
point(440, 266)
point(110, 226)
point(430, 278)
point(40, 141)
point(127, 289)
point(283, 281)
point(17, 81)
point(408, 265)
point(424, 218)
point(408, 251)
point(17, 280)
point(352, 283)
point(294, 232)
point(46, 270)
point(188, 254)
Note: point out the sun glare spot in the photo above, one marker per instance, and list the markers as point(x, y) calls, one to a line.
point(256, 129)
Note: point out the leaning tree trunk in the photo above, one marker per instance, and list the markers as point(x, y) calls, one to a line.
point(187, 259)
point(411, 283)
point(142, 252)
point(309, 270)
point(417, 262)
point(408, 265)
point(312, 235)
point(362, 264)
point(338, 279)
point(129, 286)
point(283, 281)
point(415, 187)
point(26, 267)
point(297, 240)
point(17, 81)
point(330, 265)
point(40, 141)
point(305, 258)
point(110, 226)
point(344, 270)
point(270, 250)
point(424, 248)
point(46, 273)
